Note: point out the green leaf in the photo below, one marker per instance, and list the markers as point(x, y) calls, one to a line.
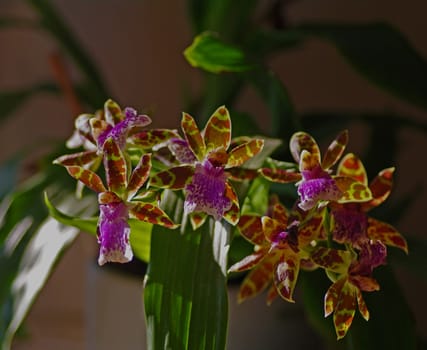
point(140, 239)
point(30, 244)
point(213, 55)
point(256, 198)
point(87, 225)
point(140, 231)
point(380, 53)
point(185, 294)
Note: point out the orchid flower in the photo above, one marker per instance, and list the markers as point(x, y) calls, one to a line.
point(352, 276)
point(351, 223)
point(91, 131)
point(280, 240)
point(204, 162)
point(120, 200)
point(316, 185)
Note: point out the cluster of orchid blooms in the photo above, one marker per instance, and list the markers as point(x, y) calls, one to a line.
point(328, 226)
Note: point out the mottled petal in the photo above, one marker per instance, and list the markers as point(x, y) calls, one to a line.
point(365, 283)
point(351, 166)
point(82, 132)
point(345, 310)
point(89, 178)
point(363, 309)
point(331, 259)
point(206, 191)
point(244, 152)
point(302, 141)
point(352, 190)
point(332, 296)
point(112, 112)
point(139, 176)
point(278, 210)
point(335, 150)
point(232, 214)
point(108, 197)
point(80, 159)
point(249, 261)
point(309, 162)
point(174, 178)
point(380, 187)
point(193, 136)
point(257, 279)
point(311, 229)
point(280, 175)
point(149, 139)
point(273, 229)
point(250, 227)
point(217, 132)
point(286, 274)
point(197, 220)
point(242, 174)
point(99, 127)
point(150, 213)
point(115, 167)
point(113, 234)
point(386, 233)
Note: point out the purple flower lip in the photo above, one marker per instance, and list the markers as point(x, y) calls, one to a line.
point(113, 234)
point(119, 132)
point(350, 226)
point(206, 191)
point(317, 185)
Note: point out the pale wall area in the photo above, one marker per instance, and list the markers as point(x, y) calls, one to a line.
point(137, 46)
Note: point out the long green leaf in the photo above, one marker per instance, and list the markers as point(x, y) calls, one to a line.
point(382, 54)
point(185, 293)
point(30, 244)
point(378, 51)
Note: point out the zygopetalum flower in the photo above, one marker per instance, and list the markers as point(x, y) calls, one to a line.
point(350, 222)
point(120, 200)
point(205, 161)
point(92, 130)
point(280, 241)
point(316, 185)
point(352, 276)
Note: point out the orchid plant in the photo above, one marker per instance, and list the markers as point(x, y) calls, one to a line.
point(208, 202)
point(326, 228)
